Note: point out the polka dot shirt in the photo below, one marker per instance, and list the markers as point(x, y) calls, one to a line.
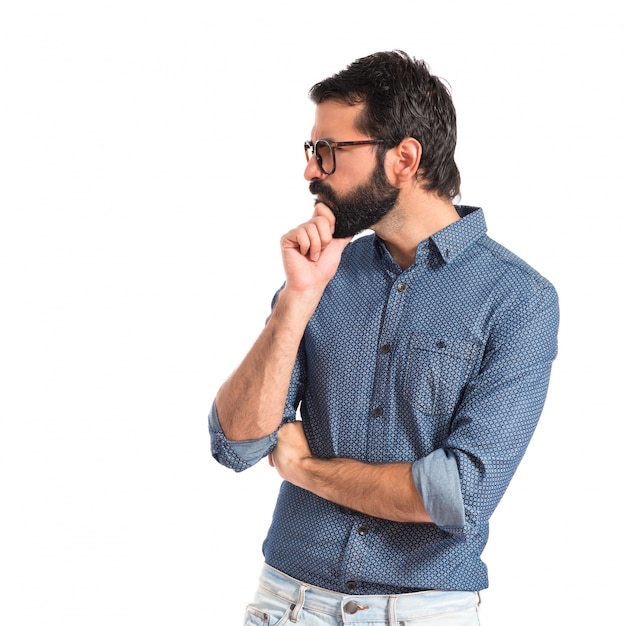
point(445, 365)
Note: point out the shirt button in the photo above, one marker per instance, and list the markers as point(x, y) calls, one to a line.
point(378, 411)
point(385, 348)
point(441, 345)
point(402, 287)
point(363, 530)
point(350, 585)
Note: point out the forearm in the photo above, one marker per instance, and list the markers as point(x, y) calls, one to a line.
point(250, 403)
point(386, 491)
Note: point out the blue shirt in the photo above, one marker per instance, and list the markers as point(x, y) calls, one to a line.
point(444, 365)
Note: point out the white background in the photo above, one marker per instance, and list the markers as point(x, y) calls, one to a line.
point(150, 159)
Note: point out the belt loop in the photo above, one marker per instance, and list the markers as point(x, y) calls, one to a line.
point(294, 616)
point(392, 611)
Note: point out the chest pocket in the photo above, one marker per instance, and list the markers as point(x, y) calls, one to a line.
point(436, 372)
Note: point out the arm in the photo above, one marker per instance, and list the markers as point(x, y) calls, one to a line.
point(386, 490)
point(459, 485)
point(250, 403)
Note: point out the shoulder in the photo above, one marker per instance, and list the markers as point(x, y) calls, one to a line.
point(509, 267)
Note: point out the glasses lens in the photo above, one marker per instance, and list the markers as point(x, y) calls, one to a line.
point(325, 156)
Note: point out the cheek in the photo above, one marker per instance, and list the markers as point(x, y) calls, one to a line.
point(345, 183)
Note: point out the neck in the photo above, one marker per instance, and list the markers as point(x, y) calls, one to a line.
point(412, 221)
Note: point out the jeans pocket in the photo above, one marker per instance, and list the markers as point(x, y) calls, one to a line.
point(256, 616)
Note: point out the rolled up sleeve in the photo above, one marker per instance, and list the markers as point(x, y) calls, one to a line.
point(237, 455)
point(502, 404)
point(436, 478)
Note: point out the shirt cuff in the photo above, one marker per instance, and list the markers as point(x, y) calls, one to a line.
point(237, 455)
point(436, 478)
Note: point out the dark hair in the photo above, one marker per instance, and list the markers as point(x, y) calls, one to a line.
point(402, 99)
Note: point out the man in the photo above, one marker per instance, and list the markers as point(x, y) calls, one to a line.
point(417, 357)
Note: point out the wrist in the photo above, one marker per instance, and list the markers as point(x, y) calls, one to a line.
point(298, 304)
point(311, 473)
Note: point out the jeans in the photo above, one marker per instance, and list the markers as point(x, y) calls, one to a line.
point(281, 601)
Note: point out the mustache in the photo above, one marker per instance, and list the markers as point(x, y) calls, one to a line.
point(320, 188)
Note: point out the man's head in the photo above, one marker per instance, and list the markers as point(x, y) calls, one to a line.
point(360, 207)
point(398, 97)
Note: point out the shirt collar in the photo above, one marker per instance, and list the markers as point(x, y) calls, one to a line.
point(454, 239)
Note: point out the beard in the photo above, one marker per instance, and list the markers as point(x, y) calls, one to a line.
point(360, 208)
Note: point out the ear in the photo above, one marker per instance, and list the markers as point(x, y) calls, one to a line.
point(404, 160)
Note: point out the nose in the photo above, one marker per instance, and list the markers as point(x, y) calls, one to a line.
point(313, 170)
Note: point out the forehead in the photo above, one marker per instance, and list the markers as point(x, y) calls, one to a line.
point(336, 121)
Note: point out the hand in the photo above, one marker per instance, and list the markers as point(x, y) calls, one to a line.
point(310, 254)
point(291, 449)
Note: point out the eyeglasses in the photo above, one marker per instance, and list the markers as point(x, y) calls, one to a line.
point(324, 151)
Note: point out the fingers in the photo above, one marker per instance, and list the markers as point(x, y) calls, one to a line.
point(313, 236)
point(323, 210)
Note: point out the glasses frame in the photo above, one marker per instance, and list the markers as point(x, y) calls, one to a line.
point(310, 145)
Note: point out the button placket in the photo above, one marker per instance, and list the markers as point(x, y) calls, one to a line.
point(381, 410)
